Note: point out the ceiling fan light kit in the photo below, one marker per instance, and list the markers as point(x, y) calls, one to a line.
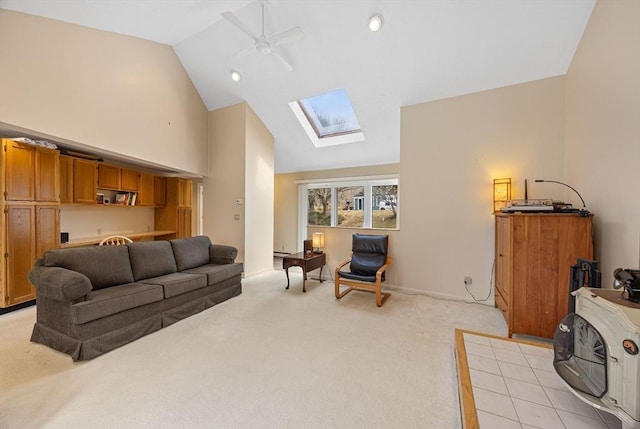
point(375, 22)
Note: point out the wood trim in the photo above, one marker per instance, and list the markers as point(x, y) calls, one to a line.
point(465, 390)
point(468, 410)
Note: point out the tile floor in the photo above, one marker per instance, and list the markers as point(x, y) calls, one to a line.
point(515, 386)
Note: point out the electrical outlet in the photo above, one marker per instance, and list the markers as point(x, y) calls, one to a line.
point(467, 280)
point(99, 231)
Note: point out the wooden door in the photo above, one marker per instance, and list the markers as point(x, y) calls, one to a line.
point(185, 192)
point(146, 190)
point(503, 266)
point(184, 223)
point(20, 236)
point(108, 177)
point(47, 228)
point(84, 181)
point(128, 180)
point(160, 191)
point(66, 179)
point(19, 171)
point(47, 175)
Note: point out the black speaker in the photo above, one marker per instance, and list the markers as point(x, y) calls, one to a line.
point(64, 237)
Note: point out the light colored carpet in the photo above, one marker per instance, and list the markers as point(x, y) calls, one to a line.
point(270, 358)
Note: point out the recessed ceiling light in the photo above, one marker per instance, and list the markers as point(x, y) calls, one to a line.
point(235, 76)
point(375, 22)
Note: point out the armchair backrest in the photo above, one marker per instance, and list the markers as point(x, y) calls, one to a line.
point(369, 253)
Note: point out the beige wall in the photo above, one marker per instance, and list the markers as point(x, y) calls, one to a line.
point(337, 240)
point(240, 168)
point(225, 181)
point(602, 148)
point(259, 184)
point(101, 90)
point(451, 150)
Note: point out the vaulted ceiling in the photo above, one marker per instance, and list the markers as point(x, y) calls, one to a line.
point(426, 50)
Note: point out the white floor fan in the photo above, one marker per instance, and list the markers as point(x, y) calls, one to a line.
point(262, 44)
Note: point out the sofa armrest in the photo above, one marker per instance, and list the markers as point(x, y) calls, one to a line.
point(222, 254)
point(58, 283)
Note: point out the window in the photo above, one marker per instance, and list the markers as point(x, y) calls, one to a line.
point(352, 203)
point(328, 119)
point(319, 207)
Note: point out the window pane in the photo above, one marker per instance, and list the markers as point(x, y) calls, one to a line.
point(331, 113)
point(351, 206)
point(384, 205)
point(319, 209)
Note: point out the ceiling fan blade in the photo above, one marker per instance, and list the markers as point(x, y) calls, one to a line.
point(282, 61)
point(243, 53)
point(239, 24)
point(286, 36)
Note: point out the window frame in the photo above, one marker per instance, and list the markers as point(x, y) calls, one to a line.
point(366, 182)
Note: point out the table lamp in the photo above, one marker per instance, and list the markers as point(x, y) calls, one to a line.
point(318, 242)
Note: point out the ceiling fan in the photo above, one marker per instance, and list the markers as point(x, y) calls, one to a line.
point(263, 44)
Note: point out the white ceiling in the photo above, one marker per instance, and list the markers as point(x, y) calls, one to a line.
point(426, 50)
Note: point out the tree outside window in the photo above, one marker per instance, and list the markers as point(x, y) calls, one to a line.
point(319, 206)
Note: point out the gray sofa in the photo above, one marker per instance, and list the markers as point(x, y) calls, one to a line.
point(93, 299)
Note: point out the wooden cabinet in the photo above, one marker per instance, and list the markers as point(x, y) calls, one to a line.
point(66, 179)
point(534, 254)
point(175, 215)
point(146, 195)
point(117, 179)
point(128, 180)
point(30, 221)
point(159, 191)
point(85, 183)
point(47, 175)
point(108, 177)
point(19, 173)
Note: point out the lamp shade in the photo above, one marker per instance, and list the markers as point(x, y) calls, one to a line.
point(501, 193)
point(318, 240)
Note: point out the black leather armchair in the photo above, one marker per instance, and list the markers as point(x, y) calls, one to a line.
point(367, 267)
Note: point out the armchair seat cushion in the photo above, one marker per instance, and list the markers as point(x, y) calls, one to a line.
point(359, 277)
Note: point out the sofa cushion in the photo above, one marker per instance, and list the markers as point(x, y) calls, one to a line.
point(151, 259)
point(191, 252)
point(217, 273)
point(108, 301)
point(178, 283)
point(105, 266)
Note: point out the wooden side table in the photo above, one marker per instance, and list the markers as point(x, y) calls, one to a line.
point(306, 262)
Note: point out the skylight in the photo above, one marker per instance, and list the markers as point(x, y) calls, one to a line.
point(328, 119)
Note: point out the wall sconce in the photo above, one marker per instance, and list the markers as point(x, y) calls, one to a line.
point(318, 242)
point(501, 193)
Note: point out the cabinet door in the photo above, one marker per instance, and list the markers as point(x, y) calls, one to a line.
point(184, 223)
point(20, 235)
point(184, 192)
point(145, 190)
point(47, 228)
point(128, 180)
point(66, 179)
point(160, 191)
point(47, 175)
point(108, 177)
point(19, 171)
point(84, 181)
